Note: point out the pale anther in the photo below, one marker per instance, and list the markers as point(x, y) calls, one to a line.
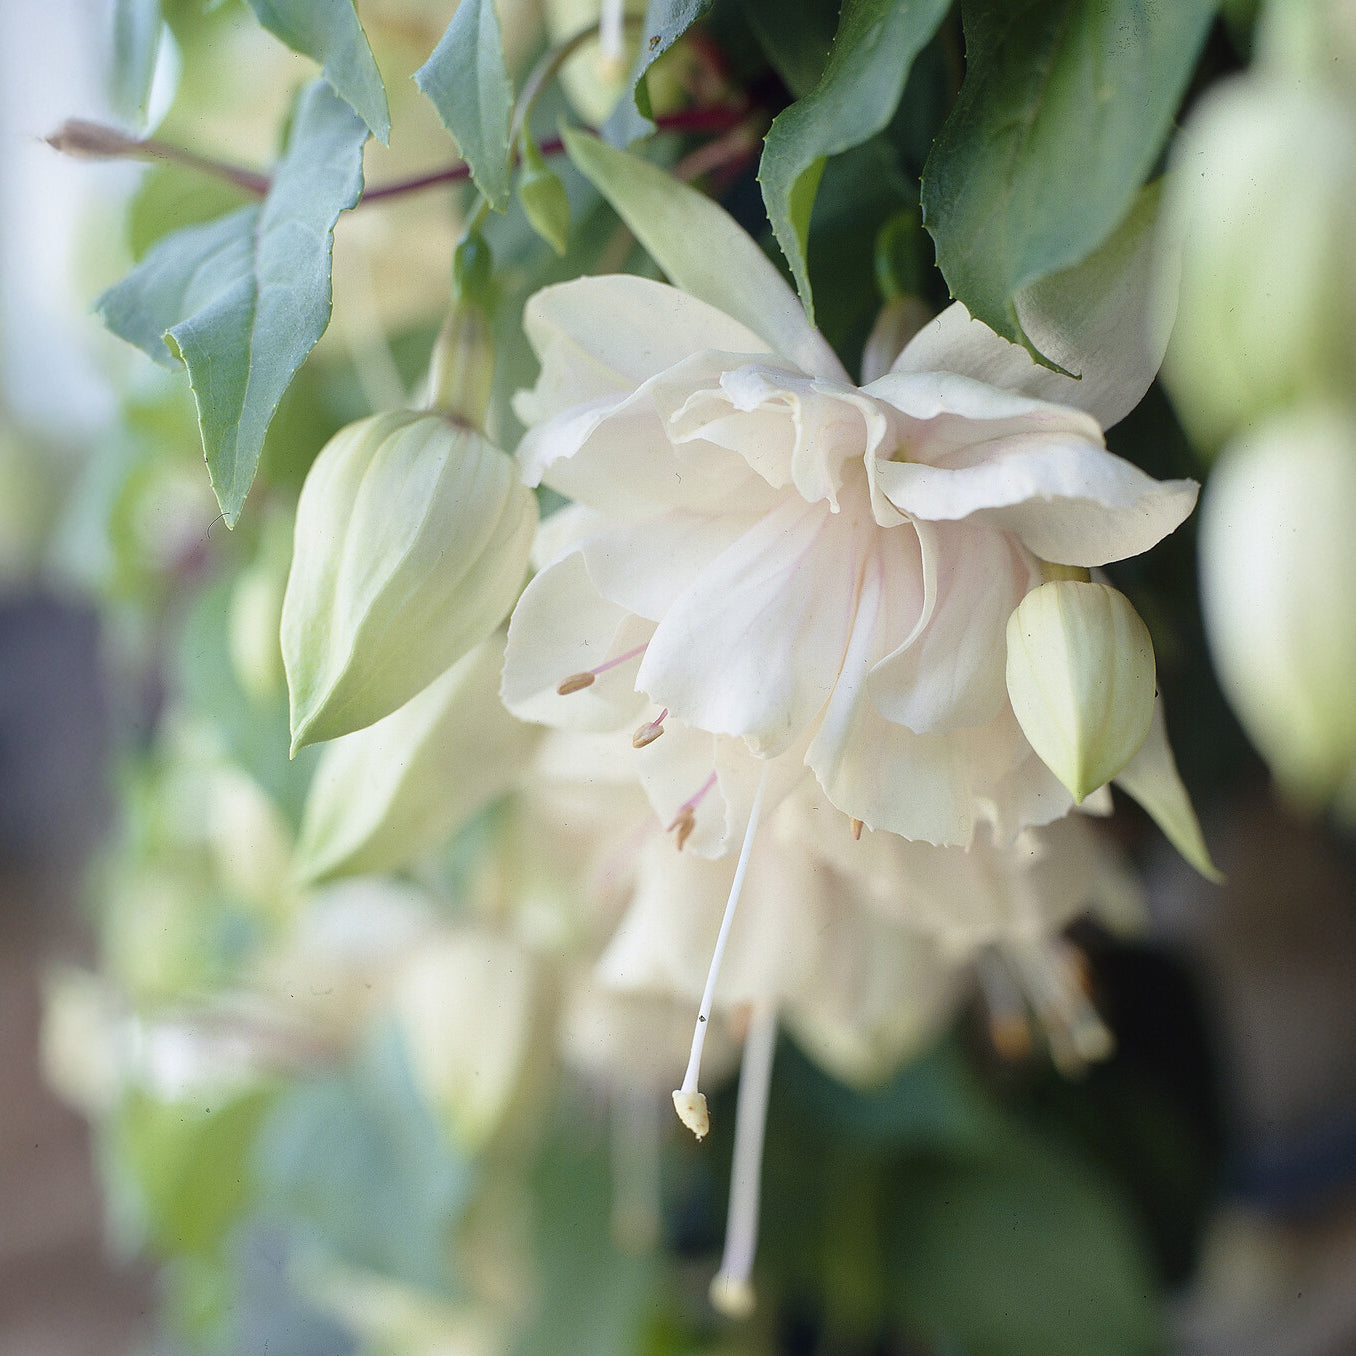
point(856, 826)
point(576, 682)
point(650, 731)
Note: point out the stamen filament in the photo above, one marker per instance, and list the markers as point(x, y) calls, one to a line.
point(577, 682)
point(731, 1290)
point(687, 1101)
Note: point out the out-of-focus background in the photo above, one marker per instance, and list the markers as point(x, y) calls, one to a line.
point(1242, 996)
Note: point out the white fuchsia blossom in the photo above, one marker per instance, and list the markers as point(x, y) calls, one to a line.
point(823, 572)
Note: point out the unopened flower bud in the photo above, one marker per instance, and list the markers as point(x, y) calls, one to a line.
point(1081, 678)
point(411, 544)
point(1263, 199)
point(1278, 578)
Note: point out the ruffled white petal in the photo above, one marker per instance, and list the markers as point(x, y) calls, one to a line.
point(649, 327)
point(753, 647)
point(645, 566)
point(562, 626)
point(790, 429)
point(1068, 500)
point(950, 672)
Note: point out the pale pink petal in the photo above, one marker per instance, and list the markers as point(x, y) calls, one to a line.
point(645, 566)
point(753, 647)
point(1067, 500)
point(951, 673)
point(665, 940)
point(602, 337)
point(874, 770)
point(789, 428)
point(562, 626)
point(945, 414)
point(615, 453)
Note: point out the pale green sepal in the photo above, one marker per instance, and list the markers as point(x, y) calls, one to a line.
point(383, 796)
point(1080, 675)
point(411, 545)
point(704, 251)
point(1151, 777)
point(329, 32)
point(872, 53)
point(467, 81)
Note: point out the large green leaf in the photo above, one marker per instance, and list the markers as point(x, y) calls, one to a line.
point(243, 300)
point(868, 64)
point(1061, 117)
point(328, 31)
point(467, 82)
point(665, 22)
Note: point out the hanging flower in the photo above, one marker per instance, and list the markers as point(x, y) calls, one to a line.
point(825, 573)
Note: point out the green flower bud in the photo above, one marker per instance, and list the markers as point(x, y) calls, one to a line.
point(1278, 580)
point(465, 1006)
point(1081, 679)
point(411, 545)
point(1263, 199)
point(543, 197)
point(382, 796)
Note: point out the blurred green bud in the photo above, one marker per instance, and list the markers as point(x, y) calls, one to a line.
point(543, 197)
point(1278, 584)
point(1081, 679)
point(1263, 202)
point(464, 1006)
point(382, 796)
point(411, 545)
point(595, 75)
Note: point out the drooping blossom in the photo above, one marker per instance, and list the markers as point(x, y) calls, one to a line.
point(760, 549)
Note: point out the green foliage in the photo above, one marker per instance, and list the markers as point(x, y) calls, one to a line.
point(1061, 117)
point(244, 299)
point(328, 31)
point(136, 45)
point(469, 85)
point(599, 1295)
point(665, 22)
point(357, 1161)
point(170, 198)
point(796, 39)
point(872, 53)
point(191, 1162)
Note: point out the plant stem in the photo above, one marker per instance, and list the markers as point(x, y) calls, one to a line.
point(94, 141)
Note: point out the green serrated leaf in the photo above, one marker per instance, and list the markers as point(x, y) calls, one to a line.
point(137, 28)
point(665, 22)
point(468, 83)
point(868, 64)
point(243, 300)
point(329, 32)
point(1062, 114)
